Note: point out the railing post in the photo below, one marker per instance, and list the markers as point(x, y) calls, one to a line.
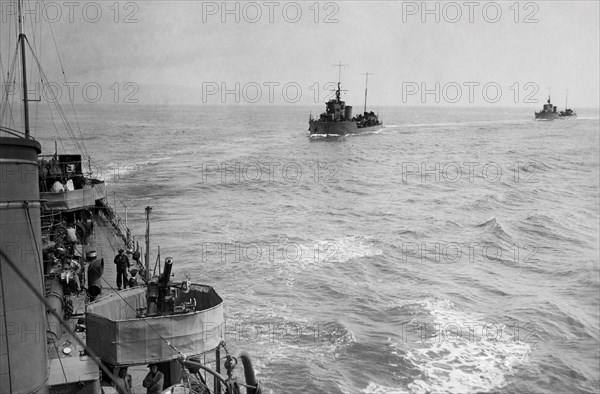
point(218, 369)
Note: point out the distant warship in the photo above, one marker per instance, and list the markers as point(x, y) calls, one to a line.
point(548, 112)
point(337, 120)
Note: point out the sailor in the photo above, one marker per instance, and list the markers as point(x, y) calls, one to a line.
point(123, 383)
point(153, 382)
point(133, 280)
point(73, 271)
point(122, 263)
point(54, 169)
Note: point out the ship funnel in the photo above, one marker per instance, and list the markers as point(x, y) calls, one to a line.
point(166, 275)
point(23, 356)
point(348, 113)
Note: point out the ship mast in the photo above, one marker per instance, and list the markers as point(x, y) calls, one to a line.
point(148, 211)
point(566, 99)
point(366, 82)
point(21, 42)
point(339, 66)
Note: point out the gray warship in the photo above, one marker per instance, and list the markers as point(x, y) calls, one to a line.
point(64, 328)
point(338, 120)
point(548, 112)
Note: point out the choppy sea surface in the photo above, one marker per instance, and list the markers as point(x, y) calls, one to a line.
point(455, 250)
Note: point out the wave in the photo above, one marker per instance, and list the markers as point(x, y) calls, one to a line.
point(533, 167)
point(118, 171)
point(314, 256)
point(351, 247)
point(547, 227)
point(459, 123)
point(316, 137)
point(374, 388)
point(290, 341)
point(485, 203)
point(466, 353)
point(494, 228)
point(362, 133)
point(409, 234)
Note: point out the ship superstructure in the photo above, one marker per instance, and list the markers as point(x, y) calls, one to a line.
point(548, 112)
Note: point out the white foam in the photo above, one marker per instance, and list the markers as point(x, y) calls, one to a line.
point(316, 136)
point(279, 334)
point(471, 362)
point(325, 252)
point(374, 388)
point(314, 256)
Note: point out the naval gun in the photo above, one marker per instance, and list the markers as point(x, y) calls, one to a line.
point(163, 319)
point(160, 301)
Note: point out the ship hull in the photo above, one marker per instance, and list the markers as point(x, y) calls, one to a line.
point(339, 128)
point(546, 116)
point(567, 114)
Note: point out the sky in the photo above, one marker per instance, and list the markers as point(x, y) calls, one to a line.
point(504, 53)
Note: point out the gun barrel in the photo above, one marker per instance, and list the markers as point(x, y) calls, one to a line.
point(166, 275)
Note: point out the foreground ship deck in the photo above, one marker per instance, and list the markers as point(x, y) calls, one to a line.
point(125, 330)
point(64, 329)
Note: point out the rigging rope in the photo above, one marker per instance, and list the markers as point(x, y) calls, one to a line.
point(68, 90)
point(50, 310)
point(80, 148)
point(55, 128)
point(10, 36)
point(6, 331)
point(7, 103)
point(37, 107)
point(26, 205)
point(6, 106)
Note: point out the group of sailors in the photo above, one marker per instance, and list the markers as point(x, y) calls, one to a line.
point(126, 276)
point(63, 262)
point(50, 167)
point(58, 177)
